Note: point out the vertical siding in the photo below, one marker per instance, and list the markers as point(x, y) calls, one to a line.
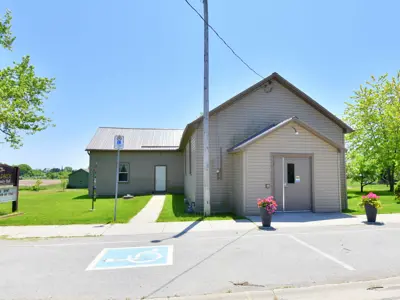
point(324, 173)
point(243, 118)
point(190, 179)
point(141, 168)
point(237, 188)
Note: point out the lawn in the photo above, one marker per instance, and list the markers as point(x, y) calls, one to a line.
point(54, 207)
point(174, 211)
point(389, 203)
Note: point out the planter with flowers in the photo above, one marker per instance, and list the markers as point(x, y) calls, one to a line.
point(371, 203)
point(267, 207)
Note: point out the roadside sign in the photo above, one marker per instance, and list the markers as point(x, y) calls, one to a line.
point(119, 142)
point(9, 185)
point(118, 145)
point(8, 175)
point(8, 194)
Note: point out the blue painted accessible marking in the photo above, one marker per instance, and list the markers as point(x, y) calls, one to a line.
point(132, 257)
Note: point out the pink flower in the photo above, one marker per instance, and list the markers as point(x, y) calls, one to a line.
point(269, 204)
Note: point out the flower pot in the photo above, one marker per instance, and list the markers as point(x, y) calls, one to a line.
point(371, 212)
point(265, 217)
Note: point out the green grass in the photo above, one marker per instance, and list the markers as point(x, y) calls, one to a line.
point(174, 211)
point(389, 203)
point(54, 207)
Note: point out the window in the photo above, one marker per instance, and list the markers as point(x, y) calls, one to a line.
point(190, 157)
point(290, 173)
point(123, 175)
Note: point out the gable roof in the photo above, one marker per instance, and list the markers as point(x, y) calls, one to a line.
point(274, 76)
point(273, 127)
point(81, 169)
point(137, 139)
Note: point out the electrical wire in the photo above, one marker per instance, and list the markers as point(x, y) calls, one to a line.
point(226, 44)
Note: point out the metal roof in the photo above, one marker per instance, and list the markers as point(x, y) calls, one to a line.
point(139, 139)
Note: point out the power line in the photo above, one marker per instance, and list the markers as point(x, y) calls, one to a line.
point(226, 44)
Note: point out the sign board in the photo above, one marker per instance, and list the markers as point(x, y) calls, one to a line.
point(8, 175)
point(297, 179)
point(119, 142)
point(8, 194)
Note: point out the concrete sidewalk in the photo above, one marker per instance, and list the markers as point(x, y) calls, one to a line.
point(306, 219)
point(279, 221)
point(367, 290)
point(150, 213)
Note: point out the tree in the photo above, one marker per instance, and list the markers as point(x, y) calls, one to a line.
point(22, 93)
point(361, 169)
point(375, 116)
point(68, 169)
point(25, 170)
point(38, 173)
point(52, 175)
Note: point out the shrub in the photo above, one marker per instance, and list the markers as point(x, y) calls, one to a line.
point(268, 203)
point(36, 186)
point(397, 191)
point(371, 199)
point(64, 184)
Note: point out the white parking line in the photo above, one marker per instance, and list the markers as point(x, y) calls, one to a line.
point(344, 265)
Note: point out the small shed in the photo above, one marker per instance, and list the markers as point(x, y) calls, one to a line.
point(78, 179)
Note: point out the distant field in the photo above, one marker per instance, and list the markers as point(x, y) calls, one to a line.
point(30, 182)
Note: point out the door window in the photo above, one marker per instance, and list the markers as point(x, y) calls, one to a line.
point(290, 173)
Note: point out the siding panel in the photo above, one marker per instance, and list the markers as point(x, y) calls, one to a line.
point(325, 167)
point(190, 179)
point(237, 188)
point(141, 167)
point(240, 120)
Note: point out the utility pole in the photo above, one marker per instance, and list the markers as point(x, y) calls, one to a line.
point(206, 143)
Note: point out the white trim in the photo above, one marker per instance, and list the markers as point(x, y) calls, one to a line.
point(92, 265)
point(282, 124)
point(283, 183)
point(244, 176)
point(344, 265)
point(340, 182)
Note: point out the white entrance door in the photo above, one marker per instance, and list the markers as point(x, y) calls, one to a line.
point(161, 178)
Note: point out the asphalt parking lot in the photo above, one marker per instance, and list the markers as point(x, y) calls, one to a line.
point(202, 262)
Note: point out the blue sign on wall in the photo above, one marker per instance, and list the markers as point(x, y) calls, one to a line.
point(132, 257)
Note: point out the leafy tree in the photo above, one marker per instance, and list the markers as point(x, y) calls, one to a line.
point(22, 93)
point(25, 170)
point(68, 169)
point(52, 175)
point(64, 184)
point(361, 169)
point(55, 170)
point(375, 116)
point(38, 173)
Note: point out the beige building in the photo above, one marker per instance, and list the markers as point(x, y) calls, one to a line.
point(271, 139)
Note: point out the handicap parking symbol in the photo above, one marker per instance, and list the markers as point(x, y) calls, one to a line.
point(132, 257)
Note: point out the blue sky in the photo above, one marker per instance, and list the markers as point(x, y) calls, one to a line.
point(140, 63)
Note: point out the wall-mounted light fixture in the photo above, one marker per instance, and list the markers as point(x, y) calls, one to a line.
point(268, 86)
point(295, 131)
